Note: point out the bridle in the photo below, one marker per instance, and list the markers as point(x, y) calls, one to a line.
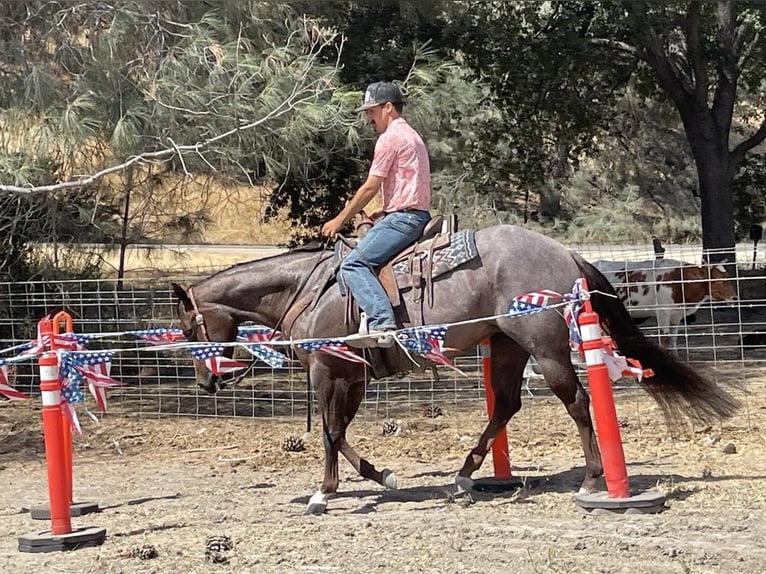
point(199, 319)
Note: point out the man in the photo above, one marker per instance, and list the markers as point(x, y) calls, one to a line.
point(401, 171)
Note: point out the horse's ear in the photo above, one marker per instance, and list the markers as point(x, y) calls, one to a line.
point(180, 292)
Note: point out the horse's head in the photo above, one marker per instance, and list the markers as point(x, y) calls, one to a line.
point(206, 322)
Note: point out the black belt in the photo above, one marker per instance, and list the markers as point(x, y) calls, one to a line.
point(408, 210)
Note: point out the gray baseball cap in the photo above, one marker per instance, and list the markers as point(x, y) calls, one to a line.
point(378, 94)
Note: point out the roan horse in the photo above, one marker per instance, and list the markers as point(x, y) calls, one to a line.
point(511, 261)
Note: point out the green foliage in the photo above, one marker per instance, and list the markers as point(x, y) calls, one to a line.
point(577, 106)
point(750, 199)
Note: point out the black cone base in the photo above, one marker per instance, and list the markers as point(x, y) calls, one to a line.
point(45, 541)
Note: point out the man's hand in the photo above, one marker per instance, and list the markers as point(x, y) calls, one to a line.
point(333, 226)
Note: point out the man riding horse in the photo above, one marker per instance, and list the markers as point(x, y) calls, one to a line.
point(401, 170)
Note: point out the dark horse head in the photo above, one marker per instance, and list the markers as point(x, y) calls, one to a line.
point(255, 291)
point(215, 325)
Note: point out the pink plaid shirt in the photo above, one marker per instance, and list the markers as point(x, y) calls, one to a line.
point(401, 159)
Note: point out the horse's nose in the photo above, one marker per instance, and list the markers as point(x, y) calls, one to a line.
point(211, 385)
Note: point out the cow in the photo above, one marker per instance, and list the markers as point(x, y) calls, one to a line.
point(666, 290)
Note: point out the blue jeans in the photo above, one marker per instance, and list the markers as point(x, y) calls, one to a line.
point(390, 235)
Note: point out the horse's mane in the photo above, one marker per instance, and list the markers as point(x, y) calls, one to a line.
point(310, 247)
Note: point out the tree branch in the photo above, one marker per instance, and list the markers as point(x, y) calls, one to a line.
point(726, 90)
point(619, 46)
point(738, 153)
point(694, 52)
point(303, 91)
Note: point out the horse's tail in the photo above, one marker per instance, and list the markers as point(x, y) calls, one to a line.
point(677, 388)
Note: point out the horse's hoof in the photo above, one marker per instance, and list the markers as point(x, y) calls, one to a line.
point(315, 509)
point(463, 484)
point(317, 504)
point(389, 479)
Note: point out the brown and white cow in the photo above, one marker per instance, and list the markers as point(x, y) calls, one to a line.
point(666, 290)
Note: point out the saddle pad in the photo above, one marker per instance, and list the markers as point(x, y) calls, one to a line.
point(461, 249)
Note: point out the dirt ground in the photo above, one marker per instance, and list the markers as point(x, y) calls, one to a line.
point(171, 482)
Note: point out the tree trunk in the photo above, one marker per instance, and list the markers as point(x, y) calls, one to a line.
point(716, 195)
point(550, 193)
point(710, 148)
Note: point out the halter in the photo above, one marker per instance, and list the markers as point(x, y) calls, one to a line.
point(198, 318)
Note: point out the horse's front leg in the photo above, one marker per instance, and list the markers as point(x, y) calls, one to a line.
point(338, 403)
point(507, 369)
point(331, 441)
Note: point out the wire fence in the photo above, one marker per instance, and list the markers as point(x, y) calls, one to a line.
point(727, 338)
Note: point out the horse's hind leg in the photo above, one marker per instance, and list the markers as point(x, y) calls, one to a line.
point(563, 381)
point(507, 367)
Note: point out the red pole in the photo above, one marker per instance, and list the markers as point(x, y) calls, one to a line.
point(604, 412)
point(500, 457)
point(53, 433)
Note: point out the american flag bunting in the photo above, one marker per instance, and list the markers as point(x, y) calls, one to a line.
point(532, 302)
point(257, 334)
point(572, 313)
point(334, 347)
point(5, 388)
point(428, 342)
point(90, 367)
point(158, 336)
point(272, 358)
point(211, 355)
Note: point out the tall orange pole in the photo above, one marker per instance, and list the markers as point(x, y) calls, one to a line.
point(604, 412)
point(501, 459)
point(55, 449)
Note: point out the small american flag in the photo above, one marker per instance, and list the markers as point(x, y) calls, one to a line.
point(158, 336)
point(6, 389)
point(334, 347)
point(92, 368)
point(70, 413)
point(428, 342)
point(211, 355)
point(532, 302)
point(72, 341)
point(272, 358)
point(257, 334)
point(572, 313)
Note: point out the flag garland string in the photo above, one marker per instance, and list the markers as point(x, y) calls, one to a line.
point(81, 367)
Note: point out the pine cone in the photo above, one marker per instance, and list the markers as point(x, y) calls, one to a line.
point(390, 427)
point(145, 552)
point(216, 546)
point(432, 411)
point(293, 443)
